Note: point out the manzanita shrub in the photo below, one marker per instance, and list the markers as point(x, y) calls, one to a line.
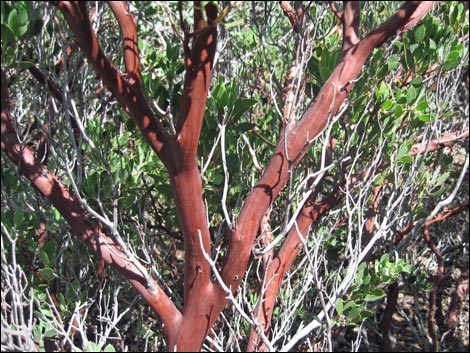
point(231, 176)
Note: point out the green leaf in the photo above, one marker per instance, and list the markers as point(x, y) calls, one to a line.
point(165, 189)
point(403, 151)
point(398, 110)
point(39, 295)
point(25, 64)
point(421, 106)
point(218, 179)
point(354, 314)
point(47, 273)
point(398, 45)
point(92, 347)
point(387, 105)
point(361, 268)
point(22, 13)
point(375, 295)
point(8, 219)
point(382, 72)
point(410, 95)
point(393, 62)
point(232, 161)
point(241, 105)
point(380, 179)
point(417, 81)
point(382, 91)
point(22, 30)
point(7, 34)
point(18, 21)
point(419, 33)
point(453, 56)
point(377, 54)
point(234, 23)
point(123, 140)
point(325, 73)
point(44, 257)
point(244, 127)
point(451, 65)
point(50, 333)
point(232, 92)
point(220, 95)
point(424, 117)
point(339, 306)
point(13, 17)
point(442, 178)
point(56, 214)
point(406, 160)
point(109, 348)
point(408, 268)
point(384, 259)
point(413, 47)
point(439, 192)
point(366, 313)
point(349, 304)
point(18, 218)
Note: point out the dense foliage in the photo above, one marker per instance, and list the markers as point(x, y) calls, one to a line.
point(386, 179)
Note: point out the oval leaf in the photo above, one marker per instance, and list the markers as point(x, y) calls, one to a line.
point(387, 105)
point(47, 273)
point(218, 179)
point(410, 95)
point(375, 295)
point(18, 218)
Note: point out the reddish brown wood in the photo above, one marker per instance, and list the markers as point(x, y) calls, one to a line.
point(439, 143)
point(387, 318)
point(203, 300)
point(91, 233)
point(458, 298)
point(297, 140)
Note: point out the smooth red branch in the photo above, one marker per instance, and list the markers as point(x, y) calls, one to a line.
point(91, 233)
point(127, 92)
point(446, 214)
point(282, 262)
point(295, 142)
point(293, 145)
point(199, 64)
point(419, 13)
point(351, 17)
point(439, 143)
point(338, 14)
point(129, 35)
point(198, 313)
